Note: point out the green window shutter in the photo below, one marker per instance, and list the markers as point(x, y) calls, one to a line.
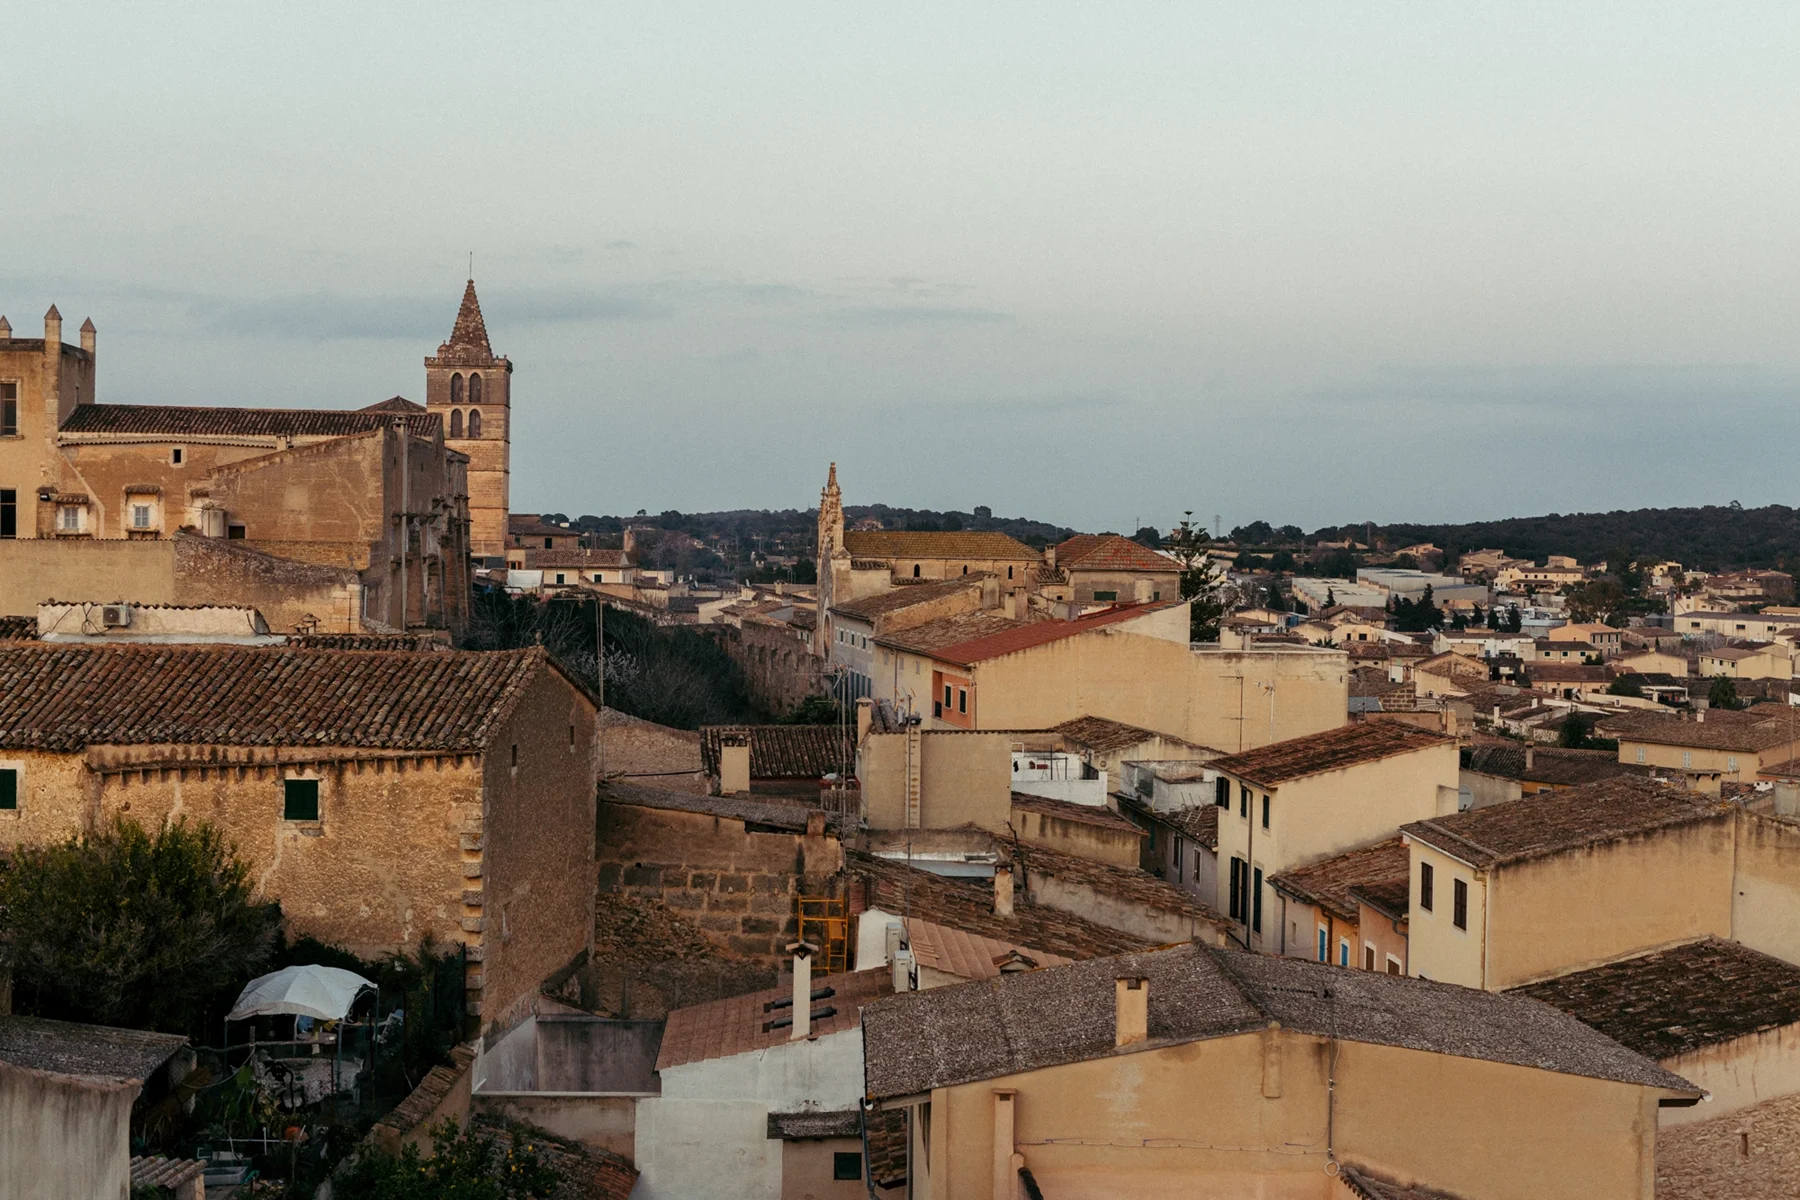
point(300, 800)
point(9, 787)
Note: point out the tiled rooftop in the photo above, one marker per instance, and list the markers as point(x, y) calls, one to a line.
point(1552, 765)
point(789, 818)
point(1558, 821)
point(1749, 730)
point(870, 607)
point(1198, 822)
point(580, 558)
point(896, 543)
point(64, 697)
point(1332, 750)
point(172, 421)
point(785, 751)
point(84, 1051)
point(1328, 882)
point(1136, 888)
point(1036, 1019)
point(1087, 814)
point(1011, 637)
point(967, 955)
point(1110, 552)
point(739, 1024)
point(1103, 735)
point(1679, 1000)
point(1367, 1184)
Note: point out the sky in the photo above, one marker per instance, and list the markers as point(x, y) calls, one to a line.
point(1092, 264)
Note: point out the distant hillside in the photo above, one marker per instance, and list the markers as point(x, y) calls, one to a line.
point(1713, 538)
point(794, 529)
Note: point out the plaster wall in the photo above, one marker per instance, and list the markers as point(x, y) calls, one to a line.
point(1119, 847)
point(606, 1121)
point(964, 778)
point(825, 1073)
point(806, 1168)
point(689, 1149)
point(1436, 948)
point(1765, 901)
point(1738, 1074)
point(63, 1139)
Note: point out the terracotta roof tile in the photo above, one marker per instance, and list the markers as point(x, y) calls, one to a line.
point(579, 557)
point(966, 955)
point(1016, 636)
point(1036, 1019)
point(1750, 730)
point(1549, 764)
point(84, 1051)
point(869, 607)
point(739, 1024)
point(1332, 750)
point(1555, 822)
point(1369, 1185)
point(171, 421)
point(1104, 735)
point(65, 697)
point(896, 543)
point(1110, 552)
point(1138, 889)
point(785, 751)
point(790, 818)
point(1328, 882)
point(1197, 822)
point(1087, 814)
point(1679, 1000)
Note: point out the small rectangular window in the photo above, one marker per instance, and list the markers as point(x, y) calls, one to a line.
point(176, 455)
point(1237, 871)
point(1343, 953)
point(1256, 902)
point(300, 800)
point(846, 1164)
point(962, 700)
point(9, 409)
point(9, 513)
point(1425, 874)
point(1222, 794)
point(1368, 957)
point(1459, 904)
point(234, 532)
point(946, 697)
point(68, 518)
point(1244, 802)
point(1106, 595)
point(1265, 819)
point(9, 787)
point(1324, 943)
point(140, 516)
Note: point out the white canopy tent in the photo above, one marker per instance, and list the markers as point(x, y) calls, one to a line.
point(324, 993)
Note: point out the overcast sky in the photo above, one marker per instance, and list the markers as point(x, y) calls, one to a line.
point(1092, 264)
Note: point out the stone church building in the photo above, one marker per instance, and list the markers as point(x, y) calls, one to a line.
point(328, 520)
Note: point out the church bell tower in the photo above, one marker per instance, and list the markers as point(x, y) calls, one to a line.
point(470, 388)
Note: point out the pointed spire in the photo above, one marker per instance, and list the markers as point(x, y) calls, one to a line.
point(470, 332)
point(831, 478)
point(53, 315)
point(87, 326)
point(5, 329)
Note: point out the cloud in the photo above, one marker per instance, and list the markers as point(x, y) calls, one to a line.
point(909, 316)
point(334, 316)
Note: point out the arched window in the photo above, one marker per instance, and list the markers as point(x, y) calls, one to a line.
point(456, 422)
point(474, 423)
point(456, 389)
point(915, 570)
point(474, 389)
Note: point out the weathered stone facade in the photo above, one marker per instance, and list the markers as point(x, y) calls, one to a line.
point(1748, 1155)
point(739, 885)
point(470, 387)
point(777, 664)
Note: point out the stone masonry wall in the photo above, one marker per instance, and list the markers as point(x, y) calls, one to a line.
point(780, 670)
point(1749, 1155)
point(738, 886)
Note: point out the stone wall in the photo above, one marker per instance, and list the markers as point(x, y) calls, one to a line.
point(1753, 1154)
point(651, 754)
point(780, 670)
point(740, 887)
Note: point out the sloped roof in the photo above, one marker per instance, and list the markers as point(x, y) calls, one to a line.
point(1136, 889)
point(789, 818)
point(1332, 750)
point(63, 697)
point(964, 954)
point(1107, 736)
point(738, 1024)
point(869, 607)
point(1679, 1000)
point(1367, 1184)
point(1018, 636)
point(1550, 764)
point(534, 525)
point(99, 1052)
point(1035, 1019)
point(174, 421)
point(1547, 823)
point(1064, 810)
point(392, 405)
point(1752, 729)
point(1110, 552)
point(899, 543)
point(578, 557)
point(785, 751)
point(1328, 883)
point(469, 334)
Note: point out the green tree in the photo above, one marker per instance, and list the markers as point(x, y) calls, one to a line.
point(125, 927)
point(1625, 685)
point(1723, 693)
point(813, 710)
point(1330, 598)
point(464, 1165)
point(1202, 583)
point(1148, 535)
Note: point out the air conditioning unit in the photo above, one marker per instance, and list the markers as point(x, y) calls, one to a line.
point(115, 616)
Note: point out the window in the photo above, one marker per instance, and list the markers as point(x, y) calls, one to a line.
point(68, 518)
point(1243, 802)
point(1459, 904)
point(1180, 860)
point(1156, 595)
point(1222, 797)
point(299, 799)
point(946, 695)
point(9, 788)
point(965, 569)
point(474, 423)
point(549, 543)
point(234, 533)
point(1235, 902)
point(1393, 965)
point(1009, 572)
point(9, 513)
point(1687, 759)
point(1368, 957)
point(1256, 903)
point(456, 389)
point(9, 409)
point(177, 456)
point(1343, 953)
point(962, 700)
point(1324, 943)
point(140, 516)
point(474, 389)
point(1265, 810)
point(456, 422)
point(1425, 874)
point(515, 754)
point(559, 577)
point(846, 1164)
point(915, 570)
point(1106, 595)
point(1731, 763)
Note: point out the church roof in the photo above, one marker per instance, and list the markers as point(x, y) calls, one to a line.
point(469, 336)
point(155, 421)
point(393, 404)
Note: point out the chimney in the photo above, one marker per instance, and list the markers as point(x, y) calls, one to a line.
point(1050, 557)
point(1003, 891)
point(1131, 1009)
point(1700, 713)
point(1787, 798)
point(865, 716)
point(803, 955)
point(1530, 753)
point(87, 336)
point(734, 765)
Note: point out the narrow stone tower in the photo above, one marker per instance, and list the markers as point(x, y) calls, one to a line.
point(470, 387)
